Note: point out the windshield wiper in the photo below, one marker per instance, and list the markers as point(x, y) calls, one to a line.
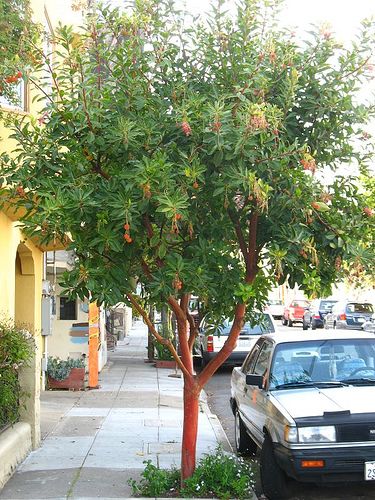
point(329, 383)
point(355, 381)
point(292, 385)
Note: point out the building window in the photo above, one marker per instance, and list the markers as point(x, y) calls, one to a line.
point(68, 308)
point(20, 98)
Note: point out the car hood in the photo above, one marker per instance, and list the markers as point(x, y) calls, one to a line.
point(311, 402)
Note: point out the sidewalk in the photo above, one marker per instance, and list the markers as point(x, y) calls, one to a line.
point(94, 441)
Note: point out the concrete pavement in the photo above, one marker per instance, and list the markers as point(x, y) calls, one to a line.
point(94, 441)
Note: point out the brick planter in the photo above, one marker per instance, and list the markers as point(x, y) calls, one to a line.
point(74, 382)
point(160, 363)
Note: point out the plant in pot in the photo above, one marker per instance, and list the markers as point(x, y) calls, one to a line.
point(163, 356)
point(65, 374)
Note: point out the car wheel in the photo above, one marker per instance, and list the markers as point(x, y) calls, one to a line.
point(273, 478)
point(304, 325)
point(243, 441)
point(290, 323)
point(313, 325)
point(284, 322)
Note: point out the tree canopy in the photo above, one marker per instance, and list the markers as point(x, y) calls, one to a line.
point(186, 134)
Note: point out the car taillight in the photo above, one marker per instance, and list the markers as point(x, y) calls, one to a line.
point(316, 316)
point(210, 343)
point(343, 317)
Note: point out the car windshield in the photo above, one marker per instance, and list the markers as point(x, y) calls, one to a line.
point(326, 305)
point(323, 361)
point(263, 324)
point(359, 308)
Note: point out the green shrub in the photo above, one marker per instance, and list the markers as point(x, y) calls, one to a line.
point(155, 482)
point(59, 369)
point(16, 349)
point(220, 475)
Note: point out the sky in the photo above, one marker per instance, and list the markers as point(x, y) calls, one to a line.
point(343, 15)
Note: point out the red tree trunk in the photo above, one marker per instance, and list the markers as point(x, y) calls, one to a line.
point(190, 427)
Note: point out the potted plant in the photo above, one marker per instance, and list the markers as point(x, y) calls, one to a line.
point(65, 374)
point(163, 357)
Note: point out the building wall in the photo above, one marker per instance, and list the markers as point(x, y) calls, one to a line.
point(70, 337)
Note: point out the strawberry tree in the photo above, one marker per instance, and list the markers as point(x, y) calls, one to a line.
point(196, 159)
point(18, 36)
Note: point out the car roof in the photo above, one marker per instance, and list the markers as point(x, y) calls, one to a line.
point(281, 337)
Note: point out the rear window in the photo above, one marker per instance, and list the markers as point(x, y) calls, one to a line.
point(264, 325)
point(300, 303)
point(326, 305)
point(359, 308)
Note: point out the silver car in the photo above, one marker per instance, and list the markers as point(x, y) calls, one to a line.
point(212, 338)
point(349, 315)
point(307, 400)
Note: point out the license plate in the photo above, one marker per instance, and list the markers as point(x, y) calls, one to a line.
point(370, 471)
point(361, 320)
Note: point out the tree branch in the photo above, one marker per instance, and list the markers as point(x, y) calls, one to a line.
point(156, 334)
point(240, 238)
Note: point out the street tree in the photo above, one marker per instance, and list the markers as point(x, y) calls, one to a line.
point(196, 156)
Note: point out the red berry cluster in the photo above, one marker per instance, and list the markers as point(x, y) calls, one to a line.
point(177, 283)
point(20, 191)
point(127, 237)
point(146, 190)
point(309, 164)
point(185, 127)
point(13, 78)
point(368, 211)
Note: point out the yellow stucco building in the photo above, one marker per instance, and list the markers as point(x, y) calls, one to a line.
point(22, 269)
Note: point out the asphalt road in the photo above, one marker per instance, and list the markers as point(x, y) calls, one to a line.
point(218, 394)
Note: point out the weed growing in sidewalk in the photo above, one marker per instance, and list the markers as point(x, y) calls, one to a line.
point(220, 475)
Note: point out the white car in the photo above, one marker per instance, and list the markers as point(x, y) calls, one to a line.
point(276, 308)
point(211, 339)
point(307, 400)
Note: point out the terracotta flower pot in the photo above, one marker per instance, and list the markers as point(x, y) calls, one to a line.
point(163, 363)
point(75, 381)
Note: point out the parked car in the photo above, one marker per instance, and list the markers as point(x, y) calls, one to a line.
point(349, 314)
point(211, 339)
point(313, 317)
point(307, 401)
point(276, 308)
point(294, 312)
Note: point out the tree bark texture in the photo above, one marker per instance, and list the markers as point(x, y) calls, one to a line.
point(190, 427)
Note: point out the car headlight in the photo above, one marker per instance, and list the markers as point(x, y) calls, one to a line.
point(322, 434)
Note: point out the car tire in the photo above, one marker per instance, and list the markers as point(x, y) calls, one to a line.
point(304, 325)
point(313, 325)
point(290, 323)
point(203, 360)
point(284, 322)
point(244, 443)
point(273, 478)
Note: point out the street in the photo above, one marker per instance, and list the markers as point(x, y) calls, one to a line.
point(218, 394)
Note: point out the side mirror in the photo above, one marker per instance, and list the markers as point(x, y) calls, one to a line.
point(256, 380)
